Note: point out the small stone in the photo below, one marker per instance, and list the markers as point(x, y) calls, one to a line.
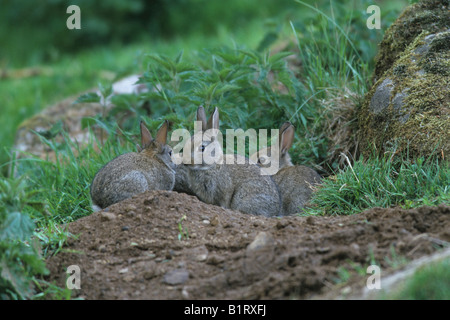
point(215, 221)
point(131, 213)
point(281, 224)
point(345, 291)
point(355, 246)
point(322, 249)
point(201, 257)
point(128, 278)
point(147, 275)
point(130, 208)
point(124, 270)
point(151, 200)
point(176, 276)
point(107, 216)
point(381, 98)
point(206, 221)
point(185, 293)
point(215, 260)
point(310, 220)
point(262, 239)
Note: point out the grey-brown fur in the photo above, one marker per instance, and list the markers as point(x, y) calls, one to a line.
point(151, 168)
point(296, 183)
point(234, 186)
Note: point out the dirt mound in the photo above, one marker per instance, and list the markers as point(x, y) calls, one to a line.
point(168, 245)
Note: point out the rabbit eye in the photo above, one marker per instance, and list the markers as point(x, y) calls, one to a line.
point(202, 148)
point(170, 152)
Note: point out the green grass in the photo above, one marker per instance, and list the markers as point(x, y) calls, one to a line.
point(431, 282)
point(382, 182)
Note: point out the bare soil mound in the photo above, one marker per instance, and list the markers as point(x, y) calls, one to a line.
point(168, 245)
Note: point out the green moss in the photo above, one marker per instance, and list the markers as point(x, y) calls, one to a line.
point(400, 70)
point(437, 59)
point(429, 15)
point(417, 118)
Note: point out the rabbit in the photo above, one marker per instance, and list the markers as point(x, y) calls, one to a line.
point(294, 182)
point(234, 186)
point(150, 168)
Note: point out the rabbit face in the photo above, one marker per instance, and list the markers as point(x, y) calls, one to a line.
point(265, 157)
point(206, 151)
point(157, 148)
point(161, 152)
point(205, 146)
point(165, 155)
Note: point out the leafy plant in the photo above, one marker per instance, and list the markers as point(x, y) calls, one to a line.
point(252, 89)
point(20, 259)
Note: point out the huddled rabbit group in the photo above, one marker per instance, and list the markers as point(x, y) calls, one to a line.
point(239, 186)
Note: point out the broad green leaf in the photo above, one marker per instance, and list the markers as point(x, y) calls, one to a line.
point(52, 132)
point(267, 41)
point(105, 90)
point(17, 226)
point(14, 278)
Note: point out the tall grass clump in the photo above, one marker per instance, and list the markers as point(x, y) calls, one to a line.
point(62, 183)
point(336, 51)
point(383, 182)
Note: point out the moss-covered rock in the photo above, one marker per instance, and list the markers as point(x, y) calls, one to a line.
point(408, 108)
point(427, 15)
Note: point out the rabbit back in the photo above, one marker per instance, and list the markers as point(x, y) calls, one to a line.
point(254, 193)
point(127, 175)
point(238, 187)
point(296, 185)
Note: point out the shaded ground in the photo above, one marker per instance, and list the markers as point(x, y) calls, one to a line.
point(168, 245)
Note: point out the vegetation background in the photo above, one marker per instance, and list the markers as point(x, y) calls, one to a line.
point(197, 51)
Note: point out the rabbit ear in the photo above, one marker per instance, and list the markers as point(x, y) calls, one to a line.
point(287, 138)
point(213, 122)
point(283, 127)
point(161, 135)
point(146, 137)
point(201, 116)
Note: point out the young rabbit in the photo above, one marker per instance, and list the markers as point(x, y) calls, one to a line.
point(234, 186)
point(295, 182)
point(151, 168)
